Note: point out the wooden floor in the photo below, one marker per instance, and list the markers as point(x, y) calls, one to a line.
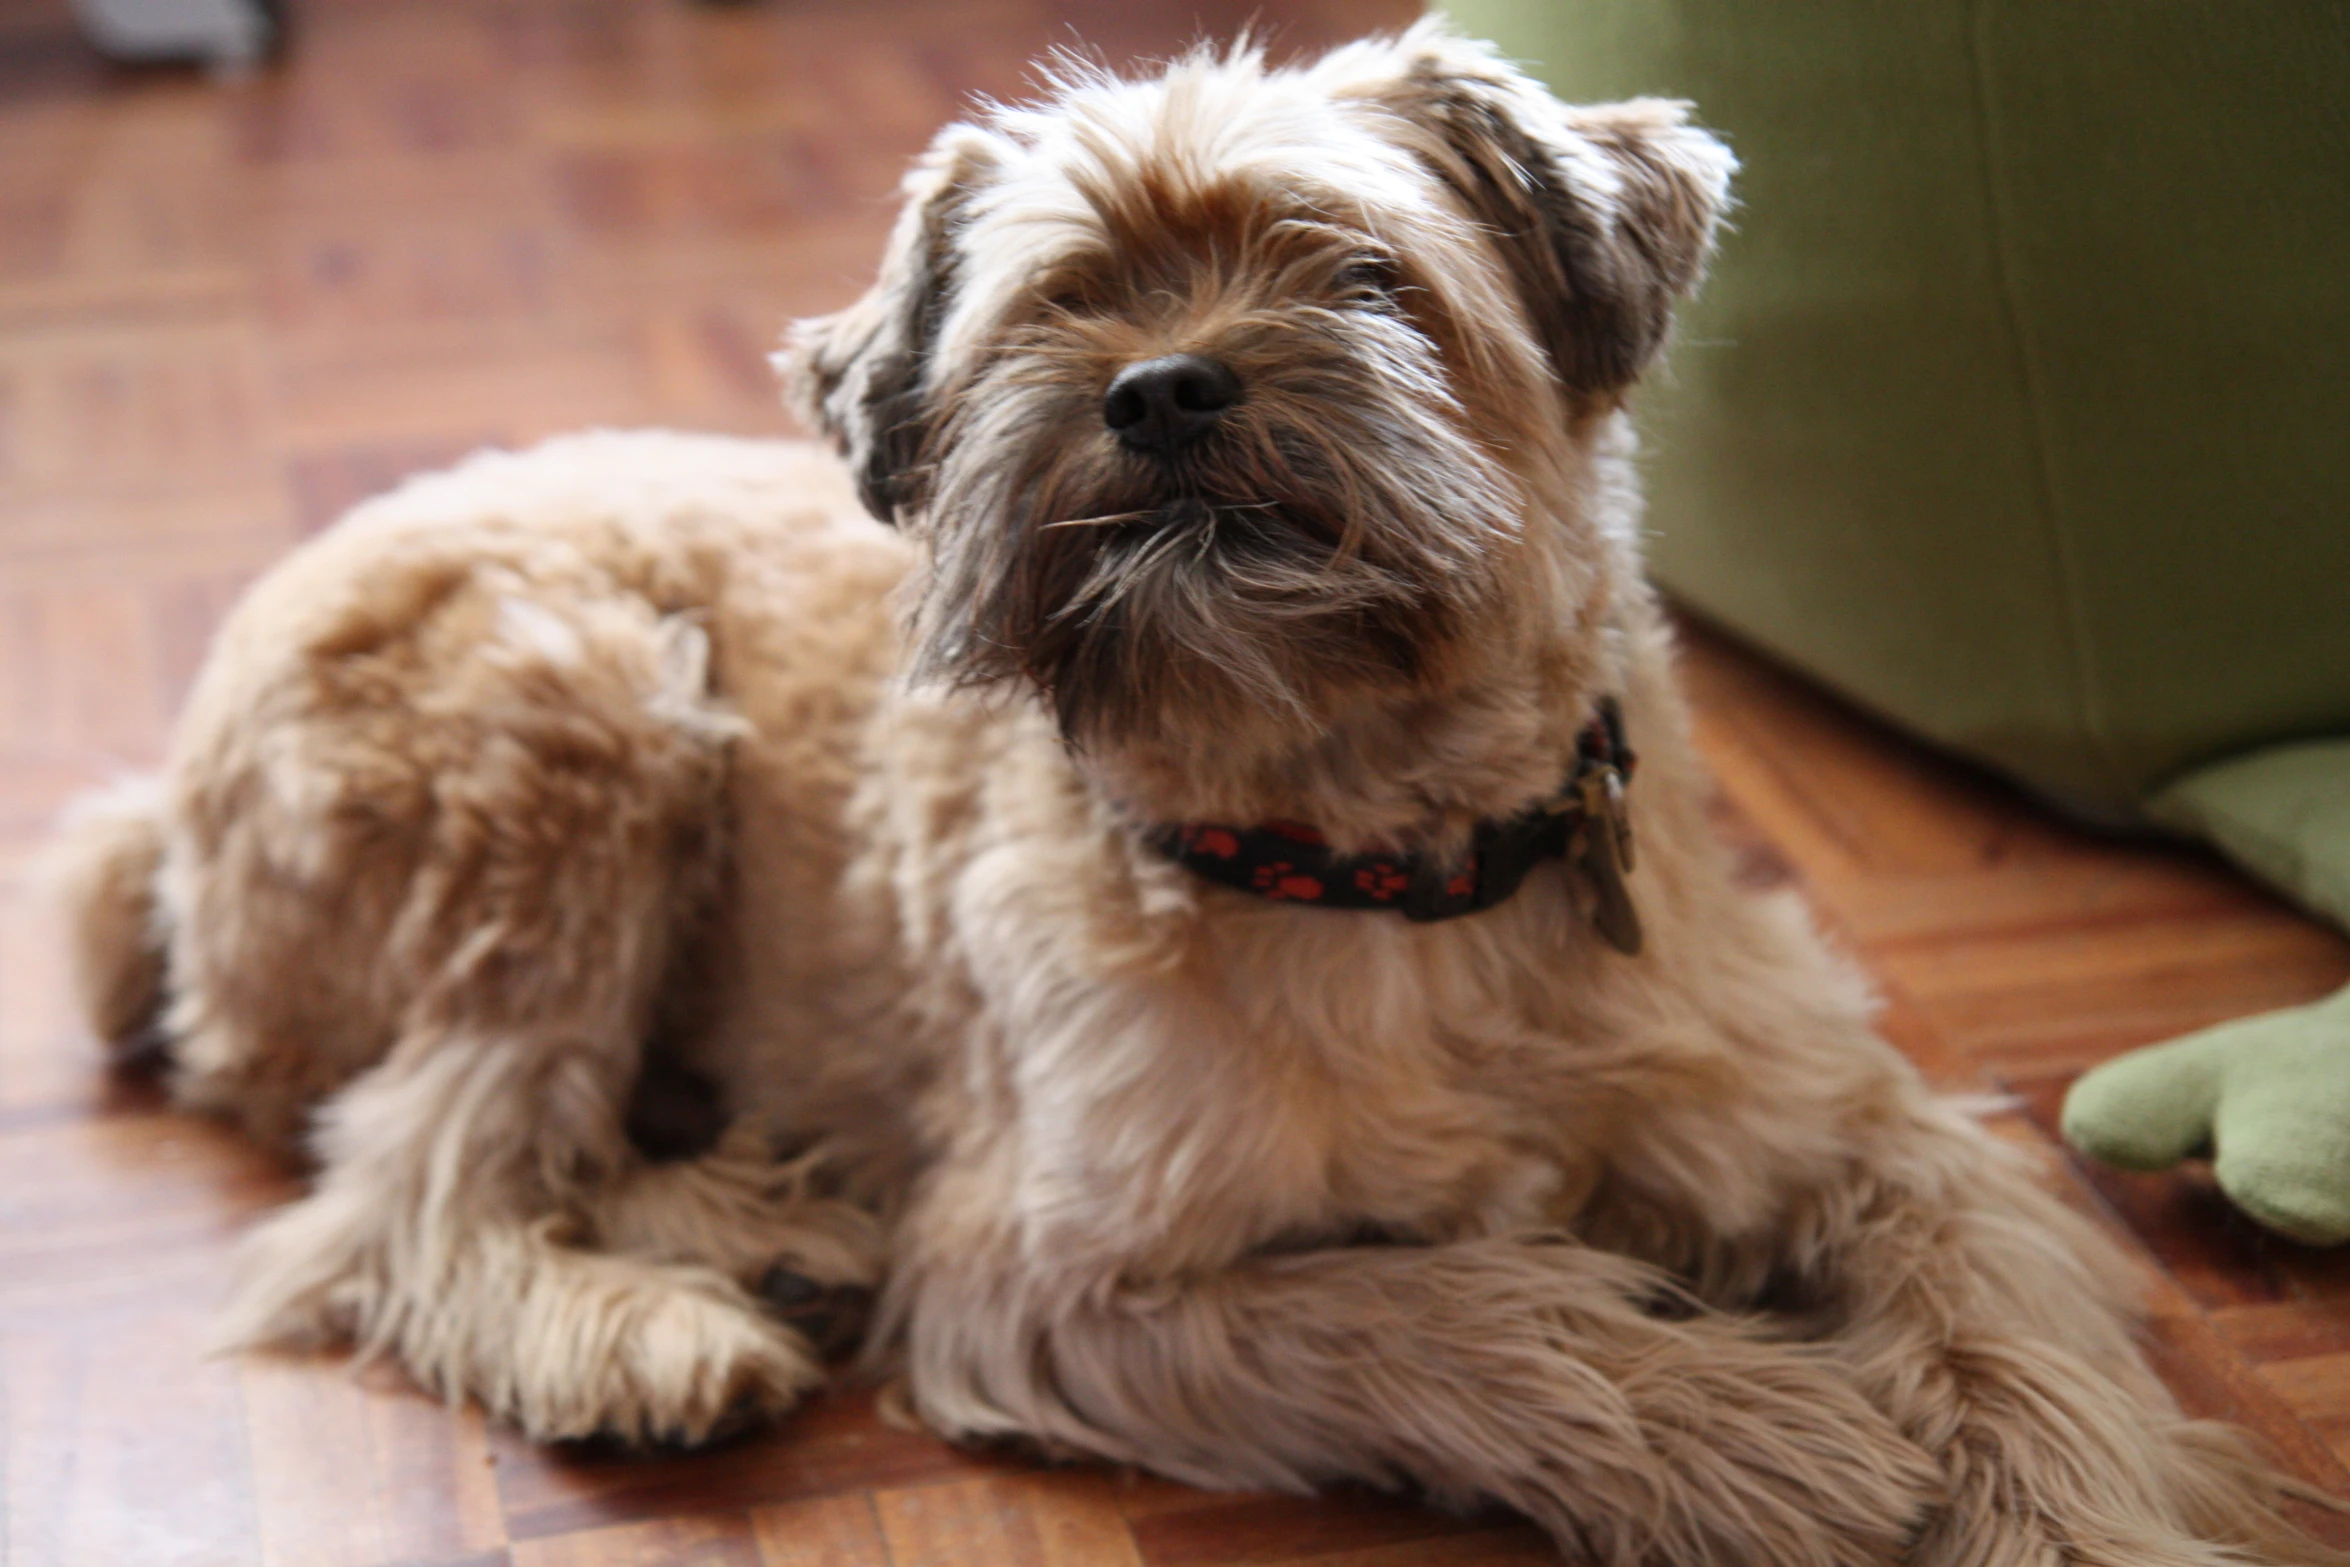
point(228, 310)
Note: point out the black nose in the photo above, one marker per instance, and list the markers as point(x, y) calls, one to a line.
point(1161, 405)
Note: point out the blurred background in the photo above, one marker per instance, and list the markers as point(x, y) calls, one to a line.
point(229, 308)
point(239, 294)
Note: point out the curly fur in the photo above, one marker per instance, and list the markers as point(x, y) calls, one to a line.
point(617, 751)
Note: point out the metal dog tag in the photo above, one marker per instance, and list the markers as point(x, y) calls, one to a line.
point(1603, 853)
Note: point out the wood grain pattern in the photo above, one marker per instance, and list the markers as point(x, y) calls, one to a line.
point(229, 311)
point(1053, 1520)
point(822, 1531)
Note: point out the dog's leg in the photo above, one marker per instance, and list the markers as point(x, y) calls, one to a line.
point(1994, 1326)
point(1543, 1375)
point(1814, 1176)
point(462, 828)
point(437, 1233)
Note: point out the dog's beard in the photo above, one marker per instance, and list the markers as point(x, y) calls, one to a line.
point(1335, 532)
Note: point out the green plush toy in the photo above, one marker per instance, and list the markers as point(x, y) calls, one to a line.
point(2266, 1098)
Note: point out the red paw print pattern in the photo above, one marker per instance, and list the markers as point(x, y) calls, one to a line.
point(1281, 880)
point(1382, 881)
point(1212, 840)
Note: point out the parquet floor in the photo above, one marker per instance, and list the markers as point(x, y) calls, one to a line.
point(228, 310)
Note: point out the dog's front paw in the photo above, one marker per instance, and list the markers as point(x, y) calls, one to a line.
point(1844, 1488)
point(1759, 1457)
point(676, 1359)
point(563, 1342)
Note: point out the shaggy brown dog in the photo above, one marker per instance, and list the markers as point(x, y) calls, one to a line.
point(1256, 439)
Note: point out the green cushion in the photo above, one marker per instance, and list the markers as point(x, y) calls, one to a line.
point(2282, 813)
point(2014, 404)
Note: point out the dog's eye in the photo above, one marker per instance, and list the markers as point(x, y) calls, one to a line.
point(1370, 280)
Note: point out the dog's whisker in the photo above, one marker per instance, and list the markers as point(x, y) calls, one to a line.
point(1110, 519)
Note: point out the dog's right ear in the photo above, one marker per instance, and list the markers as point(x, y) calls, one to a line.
point(861, 375)
point(1605, 214)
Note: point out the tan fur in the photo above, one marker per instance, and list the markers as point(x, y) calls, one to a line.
point(102, 872)
point(568, 755)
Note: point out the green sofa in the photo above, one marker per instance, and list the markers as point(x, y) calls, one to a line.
point(2017, 408)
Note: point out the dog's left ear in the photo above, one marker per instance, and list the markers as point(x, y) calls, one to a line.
point(1604, 214)
point(861, 375)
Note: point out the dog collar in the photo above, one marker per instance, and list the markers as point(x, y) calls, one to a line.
point(1586, 823)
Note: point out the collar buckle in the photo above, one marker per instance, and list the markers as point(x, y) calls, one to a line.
point(1601, 849)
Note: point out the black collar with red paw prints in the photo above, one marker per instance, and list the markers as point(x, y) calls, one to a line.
point(1585, 823)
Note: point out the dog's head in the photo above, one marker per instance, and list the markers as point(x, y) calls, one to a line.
point(1222, 399)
